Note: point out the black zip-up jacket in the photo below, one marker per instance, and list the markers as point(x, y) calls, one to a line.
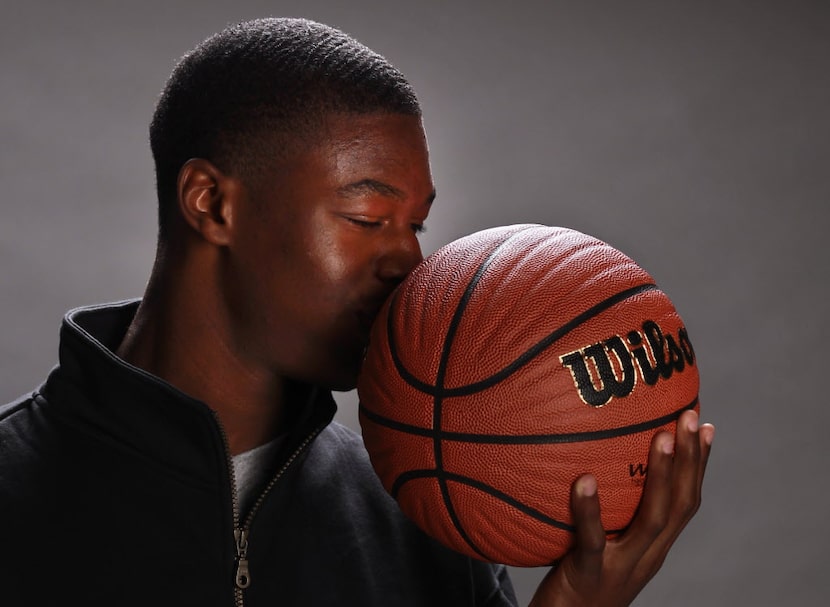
point(115, 489)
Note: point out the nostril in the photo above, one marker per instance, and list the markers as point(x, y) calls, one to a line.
point(393, 271)
point(399, 260)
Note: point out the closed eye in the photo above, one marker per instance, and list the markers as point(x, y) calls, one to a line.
point(417, 228)
point(363, 223)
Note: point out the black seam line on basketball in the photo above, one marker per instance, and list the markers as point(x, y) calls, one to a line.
point(412, 475)
point(546, 342)
point(530, 439)
point(441, 373)
point(483, 487)
point(526, 357)
point(441, 476)
point(437, 400)
point(404, 373)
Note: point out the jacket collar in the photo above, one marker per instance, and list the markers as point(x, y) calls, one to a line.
point(93, 387)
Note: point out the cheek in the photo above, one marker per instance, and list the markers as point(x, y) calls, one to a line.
point(338, 253)
point(332, 261)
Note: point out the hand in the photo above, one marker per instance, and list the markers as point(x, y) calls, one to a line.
point(604, 572)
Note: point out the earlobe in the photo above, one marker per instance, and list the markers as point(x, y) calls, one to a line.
point(206, 200)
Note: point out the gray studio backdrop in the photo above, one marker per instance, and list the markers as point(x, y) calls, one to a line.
point(691, 135)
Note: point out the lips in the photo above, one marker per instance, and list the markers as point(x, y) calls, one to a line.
point(368, 312)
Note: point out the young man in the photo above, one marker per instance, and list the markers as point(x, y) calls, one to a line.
point(183, 451)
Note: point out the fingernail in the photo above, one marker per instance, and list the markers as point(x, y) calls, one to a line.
point(708, 436)
point(667, 445)
point(691, 423)
point(587, 486)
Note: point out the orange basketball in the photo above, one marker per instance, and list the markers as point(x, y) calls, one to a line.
point(510, 362)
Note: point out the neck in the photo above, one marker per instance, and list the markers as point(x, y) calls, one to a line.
point(181, 335)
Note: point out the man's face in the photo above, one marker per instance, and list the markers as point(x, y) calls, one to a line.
point(322, 242)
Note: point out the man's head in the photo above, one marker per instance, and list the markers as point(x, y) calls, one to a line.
point(293, 178)
point(257, 90)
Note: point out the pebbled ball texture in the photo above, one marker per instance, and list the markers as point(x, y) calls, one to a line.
point(507, 364)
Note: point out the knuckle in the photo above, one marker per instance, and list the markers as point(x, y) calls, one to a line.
point(688, 508)
point(655, 524)
point(592, 543)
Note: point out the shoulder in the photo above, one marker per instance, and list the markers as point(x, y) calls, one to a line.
point(345, 499)
point(25, 444)
point(32, 445)
point(340, 447)
point(25, 427)
point(337, 480)
point(15, 406)
point(17, 425)
point(337, 457)
point(342, 435)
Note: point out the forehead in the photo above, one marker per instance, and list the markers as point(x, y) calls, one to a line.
point(391, 140)
point(346, 147)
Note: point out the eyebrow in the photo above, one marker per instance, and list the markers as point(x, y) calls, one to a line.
point(378, 187)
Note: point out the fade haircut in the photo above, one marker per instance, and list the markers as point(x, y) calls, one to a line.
point(248, 93)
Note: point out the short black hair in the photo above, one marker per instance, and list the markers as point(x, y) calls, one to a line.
point(227, 99)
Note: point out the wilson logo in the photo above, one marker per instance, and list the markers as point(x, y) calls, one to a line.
point(611, 367)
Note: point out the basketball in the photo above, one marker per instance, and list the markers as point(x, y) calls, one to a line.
point(506, 365)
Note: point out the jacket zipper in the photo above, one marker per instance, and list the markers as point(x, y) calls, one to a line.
point(241, 529)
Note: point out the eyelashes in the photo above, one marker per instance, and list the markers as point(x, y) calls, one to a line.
point(417, 228)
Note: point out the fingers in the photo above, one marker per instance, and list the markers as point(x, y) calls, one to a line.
point(590, 536)
point(683, 484)
point(578, 578)
point(707, 436)
point(686, 479)
point(655, 508)
point(691, 456)
point(600, 572)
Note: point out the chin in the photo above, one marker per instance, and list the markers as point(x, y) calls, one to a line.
point(340, 384)
point(343, 387)
point(339, 370)
point(341, 379)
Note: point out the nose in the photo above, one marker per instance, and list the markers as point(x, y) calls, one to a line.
point(400, 255)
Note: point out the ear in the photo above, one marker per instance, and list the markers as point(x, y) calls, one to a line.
point(207, 199)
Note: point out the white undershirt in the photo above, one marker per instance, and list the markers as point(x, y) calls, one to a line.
point(252, 470)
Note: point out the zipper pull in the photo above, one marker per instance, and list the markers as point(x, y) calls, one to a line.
point(243, 576)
